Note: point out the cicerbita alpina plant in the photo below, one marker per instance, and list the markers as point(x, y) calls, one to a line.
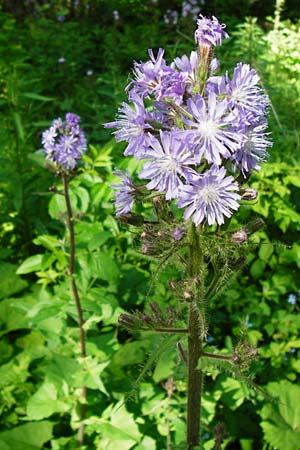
point(64, 144)
point(199, 136)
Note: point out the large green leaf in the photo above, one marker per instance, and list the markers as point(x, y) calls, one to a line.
point(31, 436)
point(117, 427)
point(45, 402)
point(31, 264)
point(10, 282)
point(281, 420)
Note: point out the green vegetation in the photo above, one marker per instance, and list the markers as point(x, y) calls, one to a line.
point(136, 384)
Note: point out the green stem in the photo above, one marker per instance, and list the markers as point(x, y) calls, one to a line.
point(70, 226)
point(196, 331)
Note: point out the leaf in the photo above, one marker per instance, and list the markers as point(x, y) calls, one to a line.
point(233, 392)
point(10, 282)
point(31, 436)
point(257, 268)
point(93, 369)
point(165, 365)
point(281, 420)
point(47, 241)
point(44, 402)
point(34, 96)
point(118, 429)
point(31, 264)
point(19, 126)
point(13, 313)
point(265, 251)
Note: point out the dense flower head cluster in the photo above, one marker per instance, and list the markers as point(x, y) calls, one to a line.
point(199, 135)
point(64, 142)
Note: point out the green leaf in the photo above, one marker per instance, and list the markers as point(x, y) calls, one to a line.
point(118, 429)
point(257, 268)
point(13, 313)
point(34, 96)
point(165, 365)
point(265, 251)
point(31, 264)
point(10, 282)
point(47, 241)
point(233, 392)
point(19, 126)
point(281, 420)
point(31, 436)
point(45, 402)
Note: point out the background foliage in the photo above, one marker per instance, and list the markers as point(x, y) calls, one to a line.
point(76, 56)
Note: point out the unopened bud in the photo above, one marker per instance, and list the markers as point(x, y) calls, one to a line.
point(127, 321)
point(178, 234)
point(238, 262)
point(146, 319)
point(249, 194)
point(239, 237)
point(187, 295)
point(173, 284)
point(236, 359)
point(255, 225)
point(157, 312)
point(132, 219)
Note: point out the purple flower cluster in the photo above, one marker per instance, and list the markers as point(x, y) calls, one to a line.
point(196, 132)
point(64, 142)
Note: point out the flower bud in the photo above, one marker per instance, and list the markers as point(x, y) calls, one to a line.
point(127, 321)
point(178, 233)
point(249, 194)
point(157, 312)
point(132, 219)
point(239, 237)
point(255, 225)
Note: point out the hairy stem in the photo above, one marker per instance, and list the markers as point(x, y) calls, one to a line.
point(217, 356)
point(170, 330)
point(70, 226)
point(195, 327)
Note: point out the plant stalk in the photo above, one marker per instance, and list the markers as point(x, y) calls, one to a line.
point(195, 327)
point(70, 226)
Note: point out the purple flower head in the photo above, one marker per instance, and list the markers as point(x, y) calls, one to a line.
point(72, 119)
point(124, 195)
point(253, 152)
point(190, 7)
point(210, 197)
point(244, 93)
point(210, 32)
point(65, 142)
point(149, 75)
point(132, 126)
point(168, 165)
point(188, 67)
point(171, 17)
point(210, 129)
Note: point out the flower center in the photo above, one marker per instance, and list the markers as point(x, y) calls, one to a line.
point(208, 128)
point(208, 194)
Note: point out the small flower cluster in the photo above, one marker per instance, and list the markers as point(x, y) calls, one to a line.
point(64, 142)
point(197, 133)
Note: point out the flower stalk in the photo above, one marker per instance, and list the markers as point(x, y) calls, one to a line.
point(70, 227)
point(196, 324)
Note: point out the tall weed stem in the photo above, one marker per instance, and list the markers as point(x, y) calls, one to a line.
point(70, 226)
point(196, 332)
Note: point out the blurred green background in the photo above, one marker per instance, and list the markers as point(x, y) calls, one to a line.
point(62, 56)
